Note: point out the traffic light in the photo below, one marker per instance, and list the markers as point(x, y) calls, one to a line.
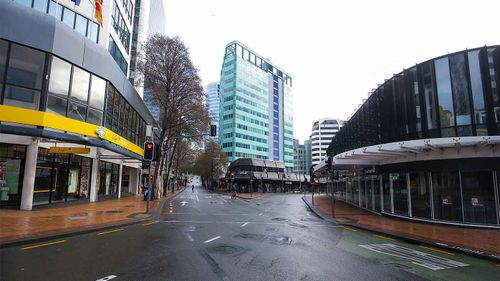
point(213, 130)
point(148, 150)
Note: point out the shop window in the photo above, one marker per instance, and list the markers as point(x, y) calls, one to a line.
point(60, 73)
point(386, 194)
point(11, 173)
point(420, 195)
point(399, 193)
point(80, 85)
point(376, 193)
point(81, 25)
point(446, 194)
point(57, 105)
point(40, 5)
point(60, 170)
point(108, 179)
point(44, 181)
point(77, 111)
point(3, 58)
point(97, 92)
point(68, 17)
point(479, 197)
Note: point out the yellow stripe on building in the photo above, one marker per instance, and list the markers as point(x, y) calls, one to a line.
point(54, 121)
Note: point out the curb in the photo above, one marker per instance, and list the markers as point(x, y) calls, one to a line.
point(36, 239)
point(461, 250)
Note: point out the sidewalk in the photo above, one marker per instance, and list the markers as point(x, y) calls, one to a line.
point(18, 225)
point(480, 241)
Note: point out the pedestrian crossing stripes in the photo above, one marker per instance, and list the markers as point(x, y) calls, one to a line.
point(417, 257)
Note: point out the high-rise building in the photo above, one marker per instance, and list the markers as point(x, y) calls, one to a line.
point(322, 134)
point(301, 157)
point(255, 108)
point(213, 103)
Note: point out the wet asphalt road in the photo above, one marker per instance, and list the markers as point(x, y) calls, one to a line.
point(205, 236)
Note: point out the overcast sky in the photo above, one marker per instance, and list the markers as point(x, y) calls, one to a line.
point(336, 51)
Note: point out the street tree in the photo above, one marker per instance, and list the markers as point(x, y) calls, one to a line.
point(172, 83)
point(211, 163)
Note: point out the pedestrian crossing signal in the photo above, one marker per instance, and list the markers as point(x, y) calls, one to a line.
point(213, 130)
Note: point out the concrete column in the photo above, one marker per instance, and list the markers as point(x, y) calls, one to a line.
point(93, 182)
point(134, 181)
point(120, 171)
point(29, 175)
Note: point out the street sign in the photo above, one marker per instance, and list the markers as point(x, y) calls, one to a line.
point(69, 150)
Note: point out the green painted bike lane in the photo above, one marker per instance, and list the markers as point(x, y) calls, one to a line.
point(428, 262)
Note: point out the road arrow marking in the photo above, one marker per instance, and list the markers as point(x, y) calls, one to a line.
point(243, 225)
point(107, 278)
point(210, 240)
point(183, 203)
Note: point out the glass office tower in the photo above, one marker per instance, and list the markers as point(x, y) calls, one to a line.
point(213, 103)
point(256, 117)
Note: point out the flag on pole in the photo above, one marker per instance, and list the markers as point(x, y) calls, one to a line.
point(98, 11)
point(77, 2)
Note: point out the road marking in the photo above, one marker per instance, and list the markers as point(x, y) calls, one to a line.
point(350, 229)
point(111, 231)
point(419, 258)
point(197, 199)
point(210, 240)
point(260, 214)
point(439, 251)
point(43, 245)
point(149, 223)
point(189, 237)
point(384, 237)
point(107, 278)
point(255, 222)
point(243, 225)
point(183, 203)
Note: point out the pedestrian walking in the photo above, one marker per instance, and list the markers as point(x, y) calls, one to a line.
point(192, 188)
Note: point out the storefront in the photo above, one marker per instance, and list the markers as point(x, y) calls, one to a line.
point(11, 174)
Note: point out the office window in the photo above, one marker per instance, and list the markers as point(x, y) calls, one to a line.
point(24, 2)
point(93, 31)
point(445, 98)
point(430, 97)
point(57, 105)
point(80, 85)
point(477, 93)
point(68, 17)
point(40, 5)
point(77, 111)
point(97, 92)
point(461, 95)
point(60, 73)
point(3, 58)
point(81, 25)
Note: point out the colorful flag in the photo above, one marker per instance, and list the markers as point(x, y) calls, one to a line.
point(77, 2)
point(98, 11)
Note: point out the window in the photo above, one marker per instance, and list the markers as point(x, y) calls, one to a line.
point(97, 91)
point(120, 27)
point(420, 195)
point(40, 5)
point(77, 111)
point(60, 73)
point(81, 24)
point(3, 58)
point(24, 75)
point(93, 31)
point(24, 2)
point(68, 17)
point(117, 56)
point(430, 98)
point(446, 194)
point(477, 93)
point(445, 98)
point(461, 93)
point(80, 85)
point(479, 194)
point(57, 105)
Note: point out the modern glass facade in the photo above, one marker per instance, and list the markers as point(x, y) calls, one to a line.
point(213, 102)
point(424, 144)
point(256, 117)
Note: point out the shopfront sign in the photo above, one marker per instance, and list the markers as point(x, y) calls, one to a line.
point(69, 150)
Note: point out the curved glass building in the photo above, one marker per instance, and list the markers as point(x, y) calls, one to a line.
point(72, 127)
point(424, 145)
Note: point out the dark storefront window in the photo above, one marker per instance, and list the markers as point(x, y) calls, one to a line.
point(108, 179)
point(386, 193)
point(420, 195)
point(446, 194)
point(477, 93)
point(376, 192)
point(24, 77)
point(3, 59)
point(479, 197)
point(461, 95)
point(61, 177)
point(445, 98)
point(400, 193)
point(11, 174)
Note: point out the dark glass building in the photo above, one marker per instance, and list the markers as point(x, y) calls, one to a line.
point(424, 145)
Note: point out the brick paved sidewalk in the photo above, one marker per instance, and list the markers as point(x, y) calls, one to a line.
point(481, 239)
point(17, 224)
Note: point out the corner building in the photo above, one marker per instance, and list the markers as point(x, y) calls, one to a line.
point(256, 117)
point(71, 125)
point(425, 144)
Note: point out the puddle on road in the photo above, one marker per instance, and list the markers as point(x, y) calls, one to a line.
point(279, 219)
point(226, 249)
point(252, 236)
point(297, 225)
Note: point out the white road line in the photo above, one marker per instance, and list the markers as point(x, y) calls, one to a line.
point(189, 237)
point(260, 214)
point(255, 222)
point(210, 240)
point(243, 225)
point(107, 278)
point(197, 199)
